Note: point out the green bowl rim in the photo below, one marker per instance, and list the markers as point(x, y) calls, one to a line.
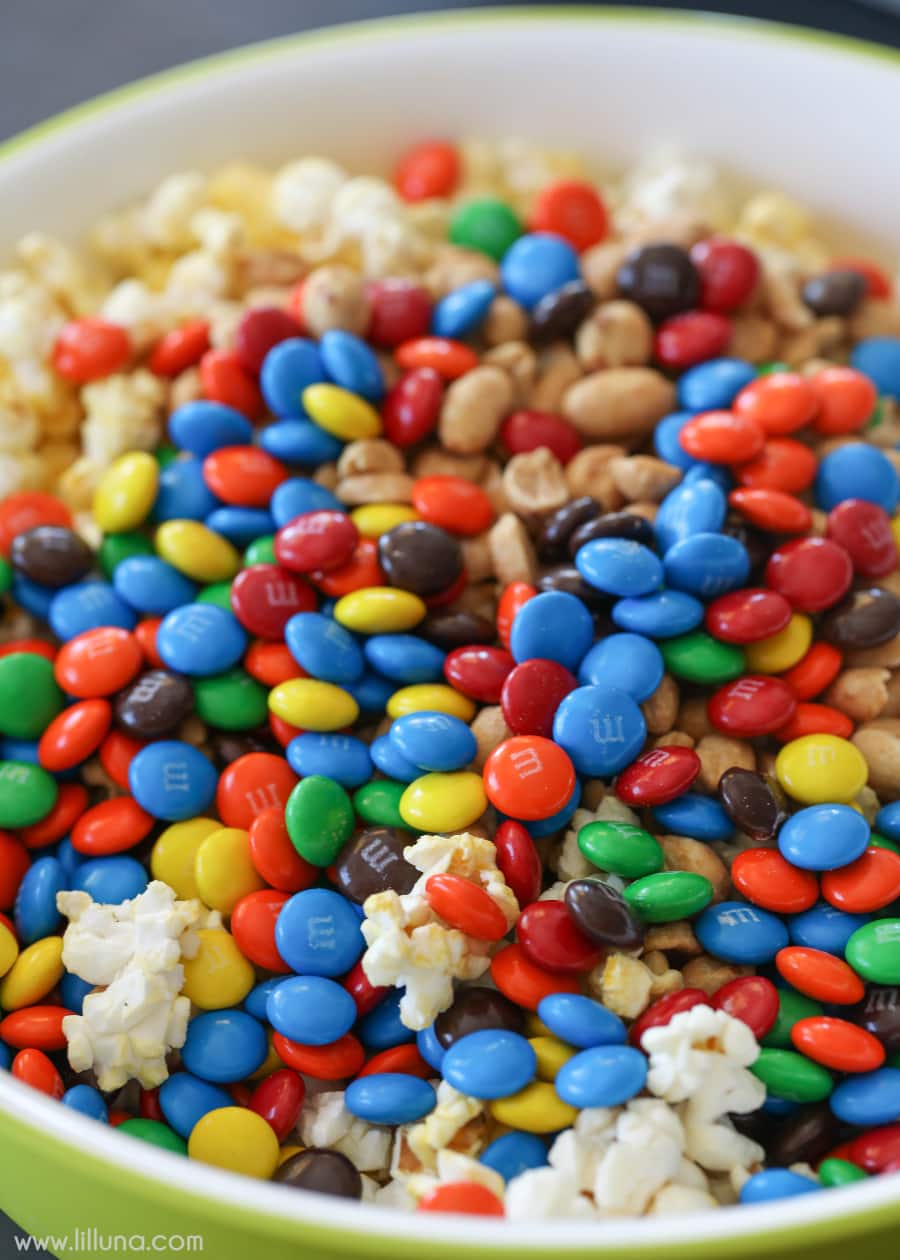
point(804, 1220)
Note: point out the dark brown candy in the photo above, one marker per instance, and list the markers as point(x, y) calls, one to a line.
point(559, 313)
point(864, 620)
point(154, 704)
point(561, 524)
point(603, 914)
point(613, 525)
point(474, 1009)
point(565, 577)
point(750, 803)
point(449, 630)
point(758, 1126)
point(757, 545)
point(419, 557)
point(227, 746)
point(322, 1170)
point(805, 1136)
point(835, 293)
point(879, 1014)
point(51, 555)
point(373, 862)
point(661, 279)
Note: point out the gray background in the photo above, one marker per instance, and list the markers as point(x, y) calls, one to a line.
point(55, 53)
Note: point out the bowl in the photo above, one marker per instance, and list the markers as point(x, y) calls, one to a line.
point(811, 114)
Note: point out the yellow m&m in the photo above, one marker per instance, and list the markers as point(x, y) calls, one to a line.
point(224, 870)
point(197, 551)
point(374, 519)
point(379, 610)
point(535, 1109)
point(218, 975)
point(126, 492)
point(783, 650)
point(33, 974)
point(430, 698)
point(175, 852)
point(235, 1138)
point(444, 802)
point(313, 705)
point(336, 410)
point(816, 769)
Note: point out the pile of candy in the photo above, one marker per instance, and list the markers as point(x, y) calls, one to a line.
point(458, 765)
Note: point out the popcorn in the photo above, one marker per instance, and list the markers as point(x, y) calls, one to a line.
point(645, 1155)
point(623, 984)
point(134, 950)
point(455, 1167)
point(543, 1193)
point(302, 193)
point(409, 945)
point(668, 184)
point(443, 1127)
point(701, 1058)
point(165, 220)
point(326, 1122)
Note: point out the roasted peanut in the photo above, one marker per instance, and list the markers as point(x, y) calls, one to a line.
point(535, 482)
point(438, 463)
point(673, 938)
point(519, 362)
point(479, 563)
point(661, 709)
point(644, 477)
point(620, 403)
point(617, 334)
point(719, 753)
point(369, 455)
point(709, 974)
point(557, 370)
point(600, 267)
point(677, 738)
point(506, 321)
point(685, 854)
point(588, 473)
point(334, 296)
point(693, 718)
point(473, 407)
point(879, 743)
point(386, 487)
point(455, 266)
point(860, 693)
point(753, 337)
point(512, 555)
point(490, 729)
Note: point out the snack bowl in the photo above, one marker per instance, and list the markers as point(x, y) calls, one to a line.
point(614, 84)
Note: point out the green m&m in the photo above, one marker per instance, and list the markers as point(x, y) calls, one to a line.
point(30, 696)
point(621, 848)
point(319, 819)
point(669, 895)
point(699, 658)
point(27, 793)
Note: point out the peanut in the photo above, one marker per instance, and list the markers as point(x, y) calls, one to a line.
point(493, 487)
point(386, 487)
point(753, 337)
point(455, 266)
point(685, 854)
point(512, 555)
point(369, 455)
point(334, 296)
point(875, 318)
point(693, 719)
point(490, 729)
point(617, 334)
point(677, 738)
point(506, 321)
point(185, 388)
point(588, 473)
point(258, 268)
point(600, 267)
point(673, 938)
point(823, 337)
point(557, 370)
point(881, 749)
point(861, 693)
point(479, 563)
point(661, 708)
point(593, 793)
point(709, 974)
point(535, 482)
point(473, 408)
point(781, 295)
point(644, 477)
point(719, 753)
point(519, 362)
point(644, 508)
point(621, 403)
point(438, 463)
point(326, 475)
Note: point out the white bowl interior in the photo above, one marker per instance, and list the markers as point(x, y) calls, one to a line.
point(813, 116)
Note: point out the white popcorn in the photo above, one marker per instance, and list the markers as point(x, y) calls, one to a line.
point(134, 306)
point(196, 279)
point(303, 193)
point(543, 1193)
point(134, 949)
point(395, 1195)
point(165, 220)
point(410, 946)
point(680, 1051)
point(325, 1121)
point(668, 184)
point(645, 1155)
point(124, 413)
point(72, 282)
point(700, 1058)
point(672, 1199)
point(220, 233)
